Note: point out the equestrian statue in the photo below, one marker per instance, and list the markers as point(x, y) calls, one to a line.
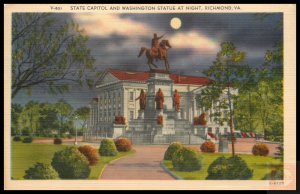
point(158, 51)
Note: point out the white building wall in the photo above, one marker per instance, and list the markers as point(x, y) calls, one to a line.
point(103, 114)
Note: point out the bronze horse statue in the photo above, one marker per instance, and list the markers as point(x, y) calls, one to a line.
point(151, 55)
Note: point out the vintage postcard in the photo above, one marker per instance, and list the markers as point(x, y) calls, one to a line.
point(168, 97)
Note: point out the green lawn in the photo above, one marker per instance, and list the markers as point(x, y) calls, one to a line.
point(26, 155)
point(259, 164)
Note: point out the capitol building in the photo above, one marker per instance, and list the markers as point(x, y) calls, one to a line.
point(116, 110)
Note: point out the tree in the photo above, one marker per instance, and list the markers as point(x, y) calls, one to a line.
point(29, 117)
point(48, 118)
point(246, 108)
point(65, 111)
point(16, 110)
point(260, 103)
point(48, 54)
point(226, 72)
point(83, 114)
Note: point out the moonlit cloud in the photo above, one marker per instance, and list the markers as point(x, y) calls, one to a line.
point(105, 25)
point(194, 40)
point(115, 41)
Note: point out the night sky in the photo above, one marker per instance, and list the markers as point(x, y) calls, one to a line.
point(115, 41)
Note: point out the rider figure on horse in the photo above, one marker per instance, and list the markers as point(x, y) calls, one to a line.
point(155, 45)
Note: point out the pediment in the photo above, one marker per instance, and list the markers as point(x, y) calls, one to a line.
point(107, 78)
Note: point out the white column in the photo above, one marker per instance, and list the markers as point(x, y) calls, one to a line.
point(194, 107)
point(90, 118)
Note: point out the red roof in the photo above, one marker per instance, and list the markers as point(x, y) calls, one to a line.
point(144, 76)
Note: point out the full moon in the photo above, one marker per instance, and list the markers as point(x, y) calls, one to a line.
point(175, 23)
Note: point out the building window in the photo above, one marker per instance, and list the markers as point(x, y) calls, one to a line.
point(131, 115)
point(131, 96)
point(217, 130)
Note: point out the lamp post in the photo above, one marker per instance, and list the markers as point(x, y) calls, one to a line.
point(75, 131)
point(152, 135)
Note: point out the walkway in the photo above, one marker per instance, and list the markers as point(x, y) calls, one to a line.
point(143, 165)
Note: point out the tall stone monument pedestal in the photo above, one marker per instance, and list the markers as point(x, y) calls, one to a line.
point(159, 79)
point(160, 119)
point(141, 114)
point(178, 115)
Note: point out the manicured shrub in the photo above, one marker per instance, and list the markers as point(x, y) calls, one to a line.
point(160, 120)
point(57, 141)
point(123, 144)
point(186, 159)
point(233, 168)
point(274, 175)
point(71, 164)
point(25, 132)
point(17, 138)
point(173, 147)
point(41, 171)
point(120, 120)
point(108, 148)
point(260, 149)
point(90, 153)
point(27, 140)
point(203, 119)
point(212, 135)
point(208, 147)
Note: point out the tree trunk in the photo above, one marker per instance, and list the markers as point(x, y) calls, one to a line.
point(231, 120)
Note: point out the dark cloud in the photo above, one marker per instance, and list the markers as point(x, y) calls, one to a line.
point(247, 31)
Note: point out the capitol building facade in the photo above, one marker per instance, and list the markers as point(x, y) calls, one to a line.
point(116, 110)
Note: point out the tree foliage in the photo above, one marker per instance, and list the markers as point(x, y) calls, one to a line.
point(16, 110)
point(65, 113)
point(42, 118)
point(29, 117)
point(83, 114)
point(259, 107)
point(48, 53)
point(226, 72)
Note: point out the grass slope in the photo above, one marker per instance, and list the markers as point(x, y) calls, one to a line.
point(24, 156)
point(260, 164)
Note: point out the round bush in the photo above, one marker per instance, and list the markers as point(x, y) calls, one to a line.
point(186, 159)
point(208, 147)
point(71, 164)
point(274, 175)
point(173, 147)
point(57, 141)
point(90, 153)
point(260, 149)
point(41, 171)
point(123, 144)
point(27, 140)
point(233, 168)
point(69, 136)
point(17, 138)
point(108, 148)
